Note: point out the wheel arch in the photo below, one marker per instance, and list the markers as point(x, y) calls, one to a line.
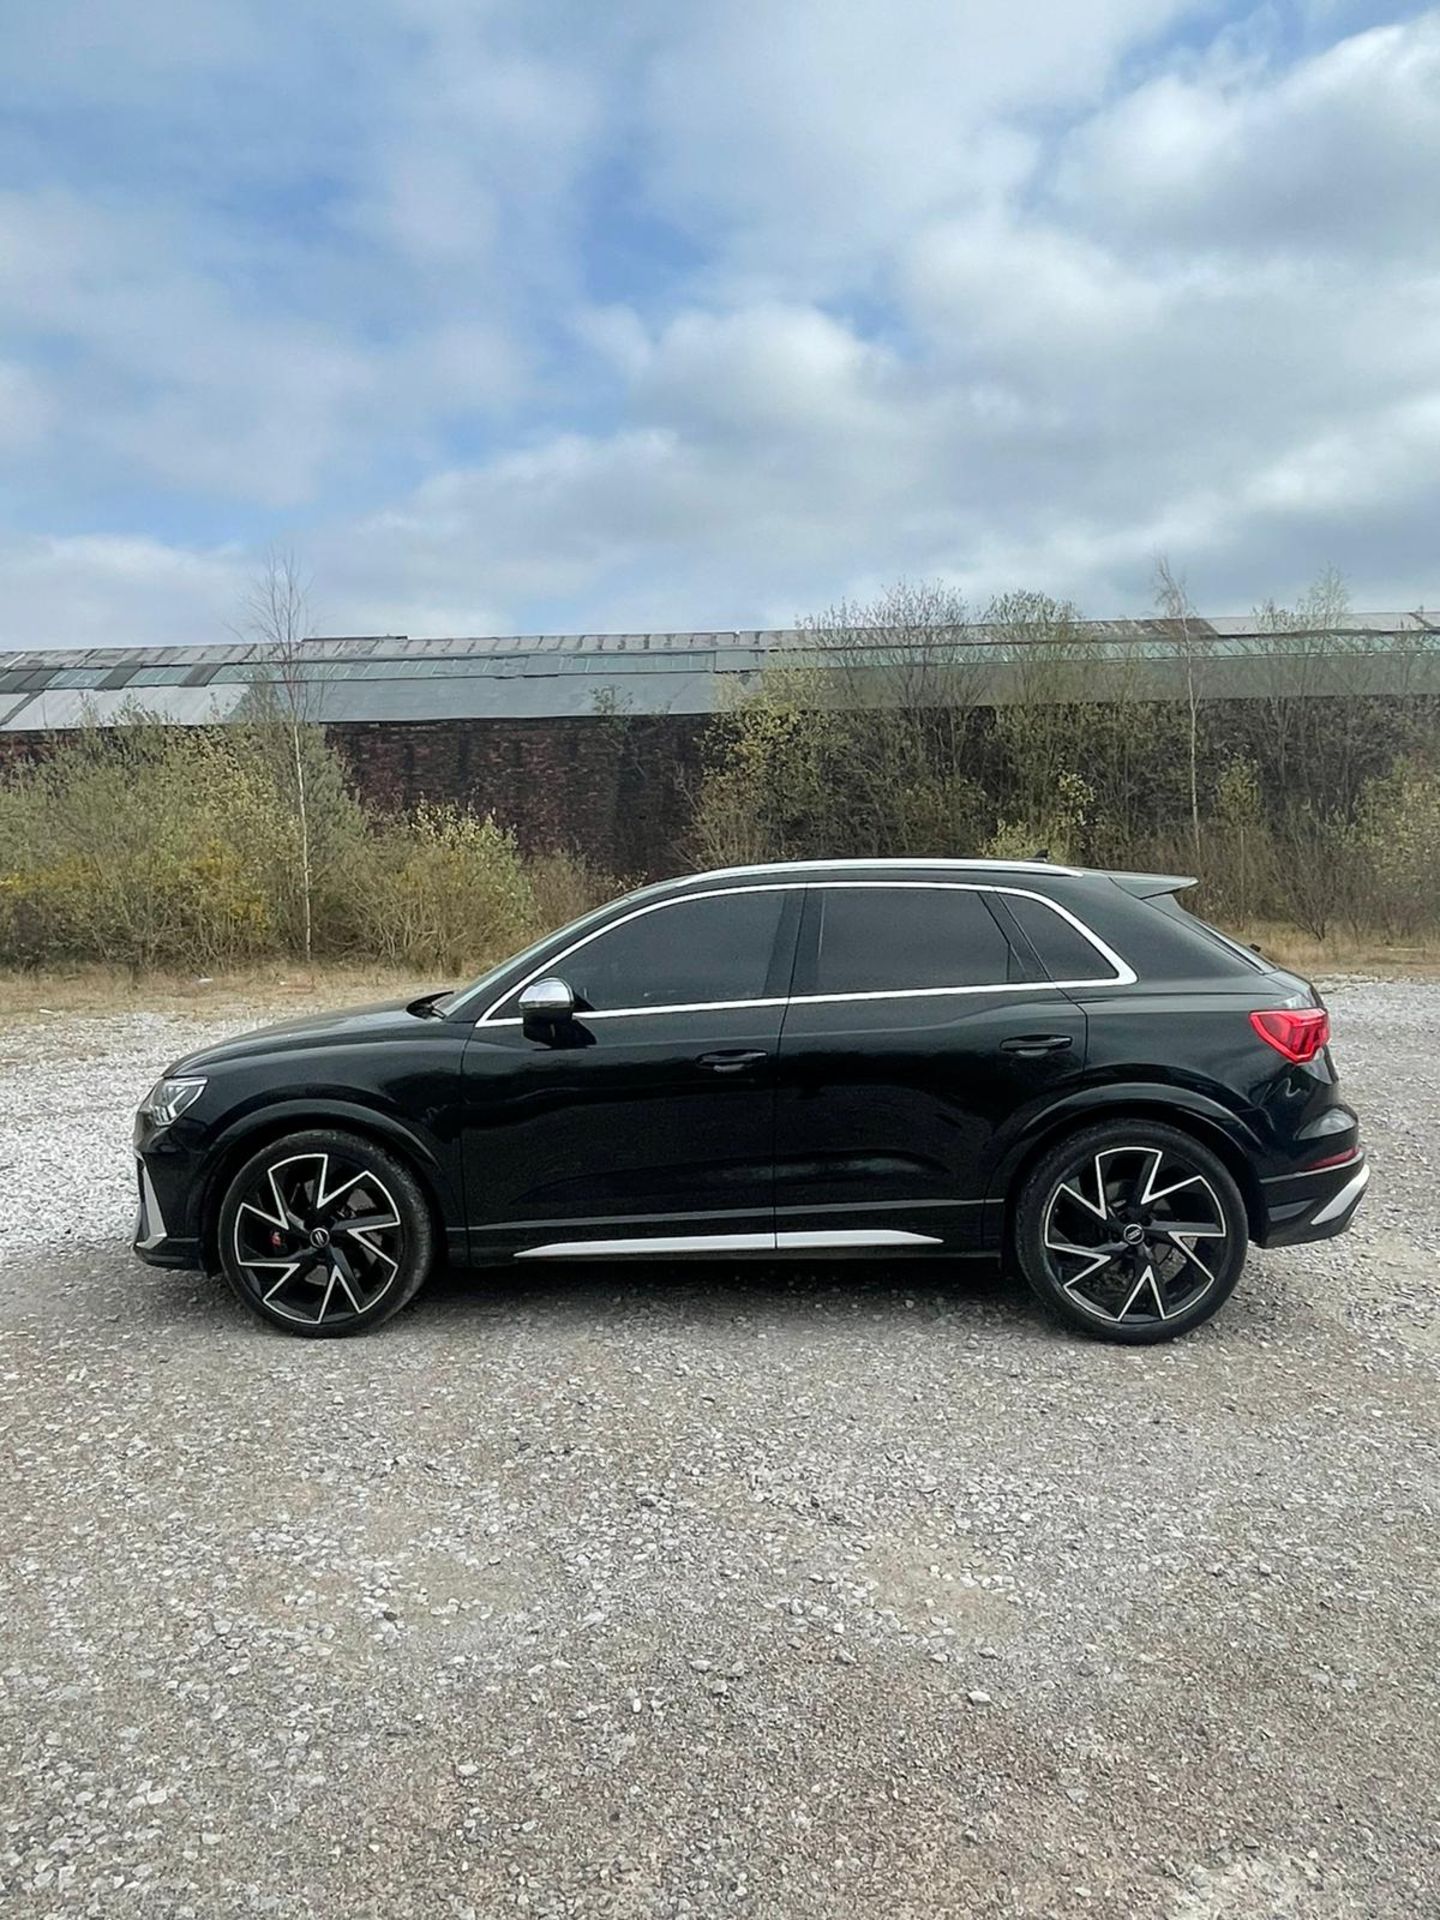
point(1209, 1129)
point(270, 1123)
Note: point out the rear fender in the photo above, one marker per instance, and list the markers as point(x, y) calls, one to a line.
point(1219, 1126)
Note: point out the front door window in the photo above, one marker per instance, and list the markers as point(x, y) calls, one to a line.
point(712, 950)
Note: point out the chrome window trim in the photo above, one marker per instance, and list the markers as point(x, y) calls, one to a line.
point(1123, 976)
point(557, 960)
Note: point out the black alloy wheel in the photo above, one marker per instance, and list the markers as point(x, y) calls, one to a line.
point(1134, 1233)
point(325, 1234)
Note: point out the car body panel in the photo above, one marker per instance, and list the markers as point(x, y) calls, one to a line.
point(894, 1110)
point(615, 1127)
point(380, 1071)
point(854, 1115)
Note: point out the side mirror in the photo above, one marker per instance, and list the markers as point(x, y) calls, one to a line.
point(550, 1000)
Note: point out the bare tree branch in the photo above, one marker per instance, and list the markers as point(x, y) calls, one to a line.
point(1174, 602)
point(276, 619)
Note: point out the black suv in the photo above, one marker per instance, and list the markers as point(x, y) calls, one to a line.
point(904, 1057)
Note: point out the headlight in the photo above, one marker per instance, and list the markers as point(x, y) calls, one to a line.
point(168, 1099)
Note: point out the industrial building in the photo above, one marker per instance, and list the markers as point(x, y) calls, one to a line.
point(593, 740)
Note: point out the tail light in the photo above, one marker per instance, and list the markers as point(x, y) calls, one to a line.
point(1297, 1032)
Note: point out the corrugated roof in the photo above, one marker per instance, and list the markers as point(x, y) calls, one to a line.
point(396, 677)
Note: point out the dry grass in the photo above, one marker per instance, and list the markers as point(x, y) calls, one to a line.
point(291, 988)
point(1344, 953)
point(278, 989)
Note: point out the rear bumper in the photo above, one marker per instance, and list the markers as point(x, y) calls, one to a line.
point(1304, 1207)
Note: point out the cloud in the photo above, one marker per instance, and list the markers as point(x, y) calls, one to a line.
point(100, 591)
point(539, 318)
point(808, 139)
point(1339, 154)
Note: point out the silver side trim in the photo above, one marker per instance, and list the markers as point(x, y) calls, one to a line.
point(152, 1221)
point(1122, 976)
point(839, 1237)
point(836, 1239)
point(1347, 1195)
point(651, 1243)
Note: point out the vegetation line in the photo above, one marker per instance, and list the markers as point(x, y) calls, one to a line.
point(1312, 806)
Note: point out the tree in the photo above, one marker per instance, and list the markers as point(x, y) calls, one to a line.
point(857, 741)
point(1174, 603)
point(277, 620)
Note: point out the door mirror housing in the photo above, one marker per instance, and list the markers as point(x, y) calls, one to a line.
point(551, 1000)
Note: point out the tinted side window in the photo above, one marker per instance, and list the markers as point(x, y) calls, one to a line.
point(894, 939)
point(1064, 951)
point(716, 948)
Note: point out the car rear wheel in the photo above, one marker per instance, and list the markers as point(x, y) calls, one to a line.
point(1131, 1232)
point(325, 1234)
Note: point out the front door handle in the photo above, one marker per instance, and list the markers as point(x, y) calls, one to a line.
point(1031, 1044)
point(731, 1062)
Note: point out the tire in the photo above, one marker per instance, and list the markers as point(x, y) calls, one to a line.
point(1097, 1231)
point(378, 1243)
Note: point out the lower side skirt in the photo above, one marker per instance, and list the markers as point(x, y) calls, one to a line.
point(678, 1245)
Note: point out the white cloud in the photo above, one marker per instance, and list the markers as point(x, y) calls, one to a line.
point(563, 317)
point(1340, 153)
point(810, 137)
point(92, 591)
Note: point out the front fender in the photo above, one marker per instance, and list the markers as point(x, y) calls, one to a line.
point(269, 1117)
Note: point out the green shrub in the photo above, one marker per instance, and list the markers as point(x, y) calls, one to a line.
point(149, 847)
point(1395, 845)
point(565, 885)
point(179, 847)
point(439, 887)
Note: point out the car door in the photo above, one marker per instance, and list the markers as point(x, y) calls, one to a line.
point(645, 1123)
point(920, 1031)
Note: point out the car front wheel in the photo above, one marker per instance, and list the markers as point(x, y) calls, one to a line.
point(1131, 1232)
point(325, 1234)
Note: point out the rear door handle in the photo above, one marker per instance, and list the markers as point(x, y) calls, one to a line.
point(1030, 1044)
point(731, 1062)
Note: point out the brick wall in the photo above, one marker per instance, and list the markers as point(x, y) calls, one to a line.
point(613, 788)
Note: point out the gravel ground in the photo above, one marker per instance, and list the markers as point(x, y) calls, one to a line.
point(849, 1592)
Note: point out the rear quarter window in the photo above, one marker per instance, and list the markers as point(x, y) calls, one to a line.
point(1062, 949)
point(1240, 958)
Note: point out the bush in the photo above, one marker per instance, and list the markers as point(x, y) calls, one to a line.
point(1395, 845)
point(150, 847)
point(178, 847)
point(439, 888)
point(565, 885)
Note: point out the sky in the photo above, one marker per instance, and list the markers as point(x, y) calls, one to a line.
point(547, 316)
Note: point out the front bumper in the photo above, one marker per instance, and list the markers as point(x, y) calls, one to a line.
point(165, 1234)
point(1317, 1206)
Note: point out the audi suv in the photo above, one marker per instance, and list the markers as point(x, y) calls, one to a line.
point(895, 1058)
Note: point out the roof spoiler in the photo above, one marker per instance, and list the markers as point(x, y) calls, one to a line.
point(1149, 886)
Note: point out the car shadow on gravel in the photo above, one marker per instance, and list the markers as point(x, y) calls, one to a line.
point(969, 1290)
point(969, 1296)
point(976, 1293)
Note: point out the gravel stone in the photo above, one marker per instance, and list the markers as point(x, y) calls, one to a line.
point(662, 1591)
